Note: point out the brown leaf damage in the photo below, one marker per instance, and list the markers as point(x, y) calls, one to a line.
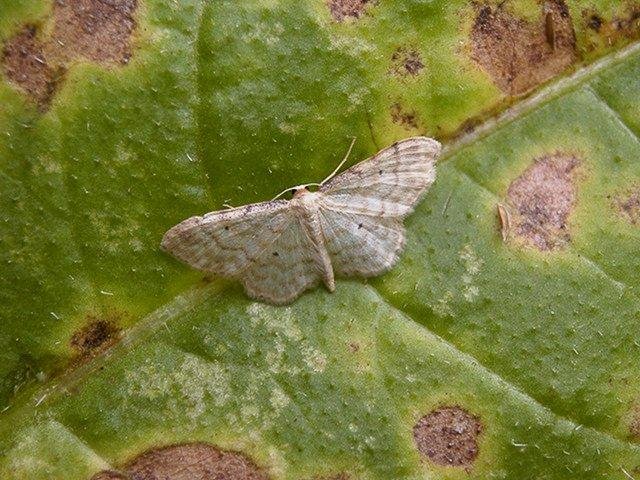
point(97, 30)
point(96, 336)
point(623, 26)
point(342, 10)
point(26, 65)
point(448, 436)
point(406, 62)
point(192, 461)
point(542, 198)
point(406, 118)
point(629, 206)
point(519, 55)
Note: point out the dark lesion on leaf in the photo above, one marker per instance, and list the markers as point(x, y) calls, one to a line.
point(405, 118)
point(26, 64)
point(621, 27)
point(468, 126)
point(517, 54)
point(406, 62)
point(190, 461)
point(94, 337)
point(448, 436)
point(342, 10)
point(593, 20)
point(634, 423)
point(628, 24)
point(541, 200)
point(628, 205)
point(97, 30)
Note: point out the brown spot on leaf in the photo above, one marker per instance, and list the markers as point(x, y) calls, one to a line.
point(634, 425)
point(405, 62)
point(468, 126)
point(594, 21)
point(94, 337)
point(399, 116)
point(98, 30)
point(628, 23)
point(193, 461)
point(519, 55)
point(629, 206)
point(448, 436)
point(623, 26)
point(543, 197)
point(110, 475)
point(26, 65)
point(343, 9)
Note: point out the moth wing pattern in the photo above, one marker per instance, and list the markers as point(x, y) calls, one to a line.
point(361, 245)
point(289, 267)
point(227, 241)
point(262, 245)
point(389, 184)
point(362, 208)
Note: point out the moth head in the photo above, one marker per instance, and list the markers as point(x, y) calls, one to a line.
point(299, 191)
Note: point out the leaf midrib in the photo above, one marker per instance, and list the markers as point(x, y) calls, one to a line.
point(544, 95)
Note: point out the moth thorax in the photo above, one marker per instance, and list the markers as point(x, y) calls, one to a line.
point(305, 201)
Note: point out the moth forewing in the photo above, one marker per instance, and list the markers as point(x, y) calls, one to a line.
point(224, 242)
point(391, 182)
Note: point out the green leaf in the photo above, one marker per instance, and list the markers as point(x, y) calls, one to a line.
point(478, 356)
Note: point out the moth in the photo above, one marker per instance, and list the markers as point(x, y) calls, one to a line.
point(352, 225)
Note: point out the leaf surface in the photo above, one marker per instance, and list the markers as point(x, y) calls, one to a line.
point(110, 348)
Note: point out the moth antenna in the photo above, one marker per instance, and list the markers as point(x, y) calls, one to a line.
point(291, 188)
point(341, 163)
point(281, 193)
